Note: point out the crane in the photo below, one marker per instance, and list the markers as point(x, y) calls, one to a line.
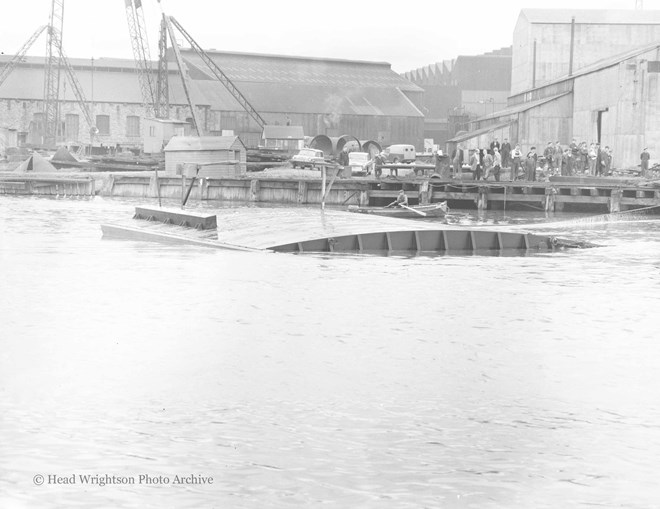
point(52, 79)
point(9, 66)
point(217, 72)
point(140, 45)
point(168, 24)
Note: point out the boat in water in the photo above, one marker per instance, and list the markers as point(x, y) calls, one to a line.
point(432, 210)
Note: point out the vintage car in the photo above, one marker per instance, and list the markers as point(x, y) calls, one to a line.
point(358, 161)
point(307, 157)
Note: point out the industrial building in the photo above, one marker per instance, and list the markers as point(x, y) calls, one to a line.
point(606, 94)
point(614, 102)
point(326, 96)
point(550, 43)
point(457, 91)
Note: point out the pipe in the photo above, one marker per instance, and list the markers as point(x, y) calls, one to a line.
point(570, 61)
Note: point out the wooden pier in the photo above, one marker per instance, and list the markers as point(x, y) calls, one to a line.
point(47, 186)
point(564, 194)
point(599, 195)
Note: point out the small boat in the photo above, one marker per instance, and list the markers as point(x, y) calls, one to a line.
point(433, 210)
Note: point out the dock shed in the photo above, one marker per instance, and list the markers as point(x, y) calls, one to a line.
point(218, 156)
point(284, 137)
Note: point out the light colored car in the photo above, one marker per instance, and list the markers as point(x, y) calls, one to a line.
point(400, 154)
point(307, 157)
point(358, 162)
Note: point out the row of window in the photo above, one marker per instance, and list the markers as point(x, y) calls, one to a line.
point(72, 124)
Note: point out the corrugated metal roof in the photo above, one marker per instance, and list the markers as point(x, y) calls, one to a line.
point(592, 16)
point(271, 84)
point(303, 71)
point(193, 143)
point(284, 132)
point(599, 65)
point(519, 108)
point(473, 134)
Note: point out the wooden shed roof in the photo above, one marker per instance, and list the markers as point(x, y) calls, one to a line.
point(197, 143)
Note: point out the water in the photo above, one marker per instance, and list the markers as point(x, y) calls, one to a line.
point(389, 382)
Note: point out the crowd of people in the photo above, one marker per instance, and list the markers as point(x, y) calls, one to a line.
point(574, 159)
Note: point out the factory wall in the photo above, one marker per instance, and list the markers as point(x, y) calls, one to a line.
point(626, 97)
point(593, 42)
point(551, 121)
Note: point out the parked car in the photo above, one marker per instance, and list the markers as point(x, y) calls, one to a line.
point(307, 157)
point(400, 154)
point(358, 162)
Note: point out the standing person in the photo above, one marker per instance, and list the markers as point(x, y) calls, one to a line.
point(530, 167)
point(343, 157)
point(547, 154)
point(593, 156)
point(379, 161)
point(495, 144)
point(608, 161)
point(517, 162)
point(488, 164)
point(566, 163)
point(600, 160)
point(506, 153)
point(575, 152)
point(583, 158)
point(497, 164)
point(645, 157)
point(475, 164)
point(457, 161)
point(558, 157)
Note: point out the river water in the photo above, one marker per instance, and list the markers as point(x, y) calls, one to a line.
point(321, 381)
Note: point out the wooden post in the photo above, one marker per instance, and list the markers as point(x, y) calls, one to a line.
point(482, 200)
point(550, 199)
point(254, 190)
point(615, 200)
point(364, 198)
point(323, 175)
point(424, 193)
point(157, 183)
point(302, 192)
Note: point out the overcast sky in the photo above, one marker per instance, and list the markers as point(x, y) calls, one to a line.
point(408, 34)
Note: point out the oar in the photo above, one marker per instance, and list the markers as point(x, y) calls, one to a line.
point(414, 210)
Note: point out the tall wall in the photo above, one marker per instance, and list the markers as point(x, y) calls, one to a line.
point(593, 42)
point(630, 92)
point(551, 121)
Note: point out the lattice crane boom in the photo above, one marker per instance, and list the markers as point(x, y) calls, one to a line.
point(185, 78)
point(75, 85)
point(52, 78)
point(9, 66)
point(140, 45)
point(221, 76)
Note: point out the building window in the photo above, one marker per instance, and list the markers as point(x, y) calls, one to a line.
point(71, 126)
point(152, 130)
point(103, 124)
point(38, 119)
point(654, 66)
point(132, 125)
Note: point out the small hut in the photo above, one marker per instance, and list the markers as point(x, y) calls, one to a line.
point(218, 156)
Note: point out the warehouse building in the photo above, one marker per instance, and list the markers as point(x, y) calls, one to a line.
point(457, 91)
point(326, 96)
point(614, 102)
point(546, 42)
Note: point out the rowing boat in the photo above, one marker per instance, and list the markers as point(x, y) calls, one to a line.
point(433, 210)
